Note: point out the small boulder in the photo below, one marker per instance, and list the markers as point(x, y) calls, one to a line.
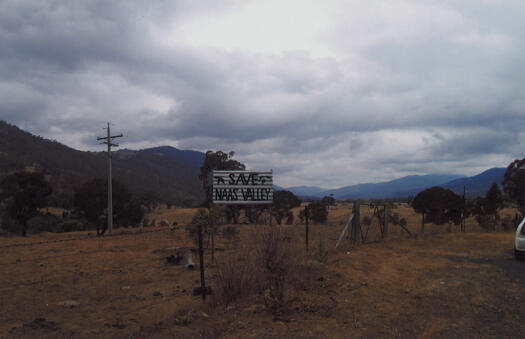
point(199, 290)
point(69, 303)
point(175, 259)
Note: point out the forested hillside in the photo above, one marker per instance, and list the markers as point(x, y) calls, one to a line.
point(167, 173)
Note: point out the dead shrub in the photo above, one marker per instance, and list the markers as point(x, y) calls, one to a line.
point(234, 277)
point(276, 261)
point(270, 266)
point(507, 223)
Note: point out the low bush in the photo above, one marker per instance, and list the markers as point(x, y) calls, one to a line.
point(268, 266)
point(42, 223)
point(318, 212)
point(70, 225)
point(235, 278)
point(289, 218)
point(507, 223)
point(10, 225)
point(321, 254)
point(484, 221)
point(230, 232)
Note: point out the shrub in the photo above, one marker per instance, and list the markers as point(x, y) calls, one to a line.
point(70, 225)
point(230, 232)
point(235, 278)
point(201, 218)
point(367, 221)
point(283, 202)
point(289, 218)
point(274, 263)
point(321, 254)
point(318, 212)
point(507, 223)
point(21, 194)
point(10, 225)
point(183, 318)
point(485, 221)
point(42, 223)
point(268, 266)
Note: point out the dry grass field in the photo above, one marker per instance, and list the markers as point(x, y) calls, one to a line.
point(437, 284)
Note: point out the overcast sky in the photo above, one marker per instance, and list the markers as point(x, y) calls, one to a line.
point(326, 93)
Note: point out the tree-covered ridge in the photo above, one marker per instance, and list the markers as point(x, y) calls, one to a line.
point(166, 173)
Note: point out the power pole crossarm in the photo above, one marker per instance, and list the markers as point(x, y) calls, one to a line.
point(108, 141)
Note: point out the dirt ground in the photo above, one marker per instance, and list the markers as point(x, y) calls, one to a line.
point(437, 284)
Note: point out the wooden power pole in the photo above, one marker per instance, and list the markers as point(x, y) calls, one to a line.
point(464, 212)
point(107, 141)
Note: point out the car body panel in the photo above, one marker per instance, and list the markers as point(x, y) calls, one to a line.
point(519, 243)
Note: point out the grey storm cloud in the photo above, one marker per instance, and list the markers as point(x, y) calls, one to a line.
point(406, 87)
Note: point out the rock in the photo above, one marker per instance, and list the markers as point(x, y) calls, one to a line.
point(69, 303)
point(119, 324)
point(190, 264)
point(157, 294)
point(199, 290)
point(41, 323)
point(174, 259)
point(254, 309)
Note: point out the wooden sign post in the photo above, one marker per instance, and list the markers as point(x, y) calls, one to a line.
point(234, 187)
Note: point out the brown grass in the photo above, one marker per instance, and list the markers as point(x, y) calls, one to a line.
point(436, 284)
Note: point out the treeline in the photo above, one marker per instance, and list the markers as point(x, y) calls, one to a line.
point(25, 195)
point(442, 206)
point(280, 209)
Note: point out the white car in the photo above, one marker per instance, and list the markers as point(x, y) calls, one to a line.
point(519, 244)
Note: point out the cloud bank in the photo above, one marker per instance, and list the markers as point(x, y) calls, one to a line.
point(329, 94)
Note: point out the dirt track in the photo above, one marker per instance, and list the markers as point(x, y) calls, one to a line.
point(440, 285)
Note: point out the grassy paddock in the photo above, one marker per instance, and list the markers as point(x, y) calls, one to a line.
point(436, 284)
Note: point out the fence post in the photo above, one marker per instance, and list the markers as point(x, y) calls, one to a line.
point(356, 223)
point(385, 221)
point(306, 217)
point(212, 224)
point(201, 260)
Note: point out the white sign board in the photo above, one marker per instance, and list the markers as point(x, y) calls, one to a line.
point(242, 187)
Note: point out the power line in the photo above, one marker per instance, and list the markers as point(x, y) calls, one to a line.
point(108, 141)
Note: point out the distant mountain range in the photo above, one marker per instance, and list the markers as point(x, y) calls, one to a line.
point(171, 174)
point(408, 186)
point(477, 185)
